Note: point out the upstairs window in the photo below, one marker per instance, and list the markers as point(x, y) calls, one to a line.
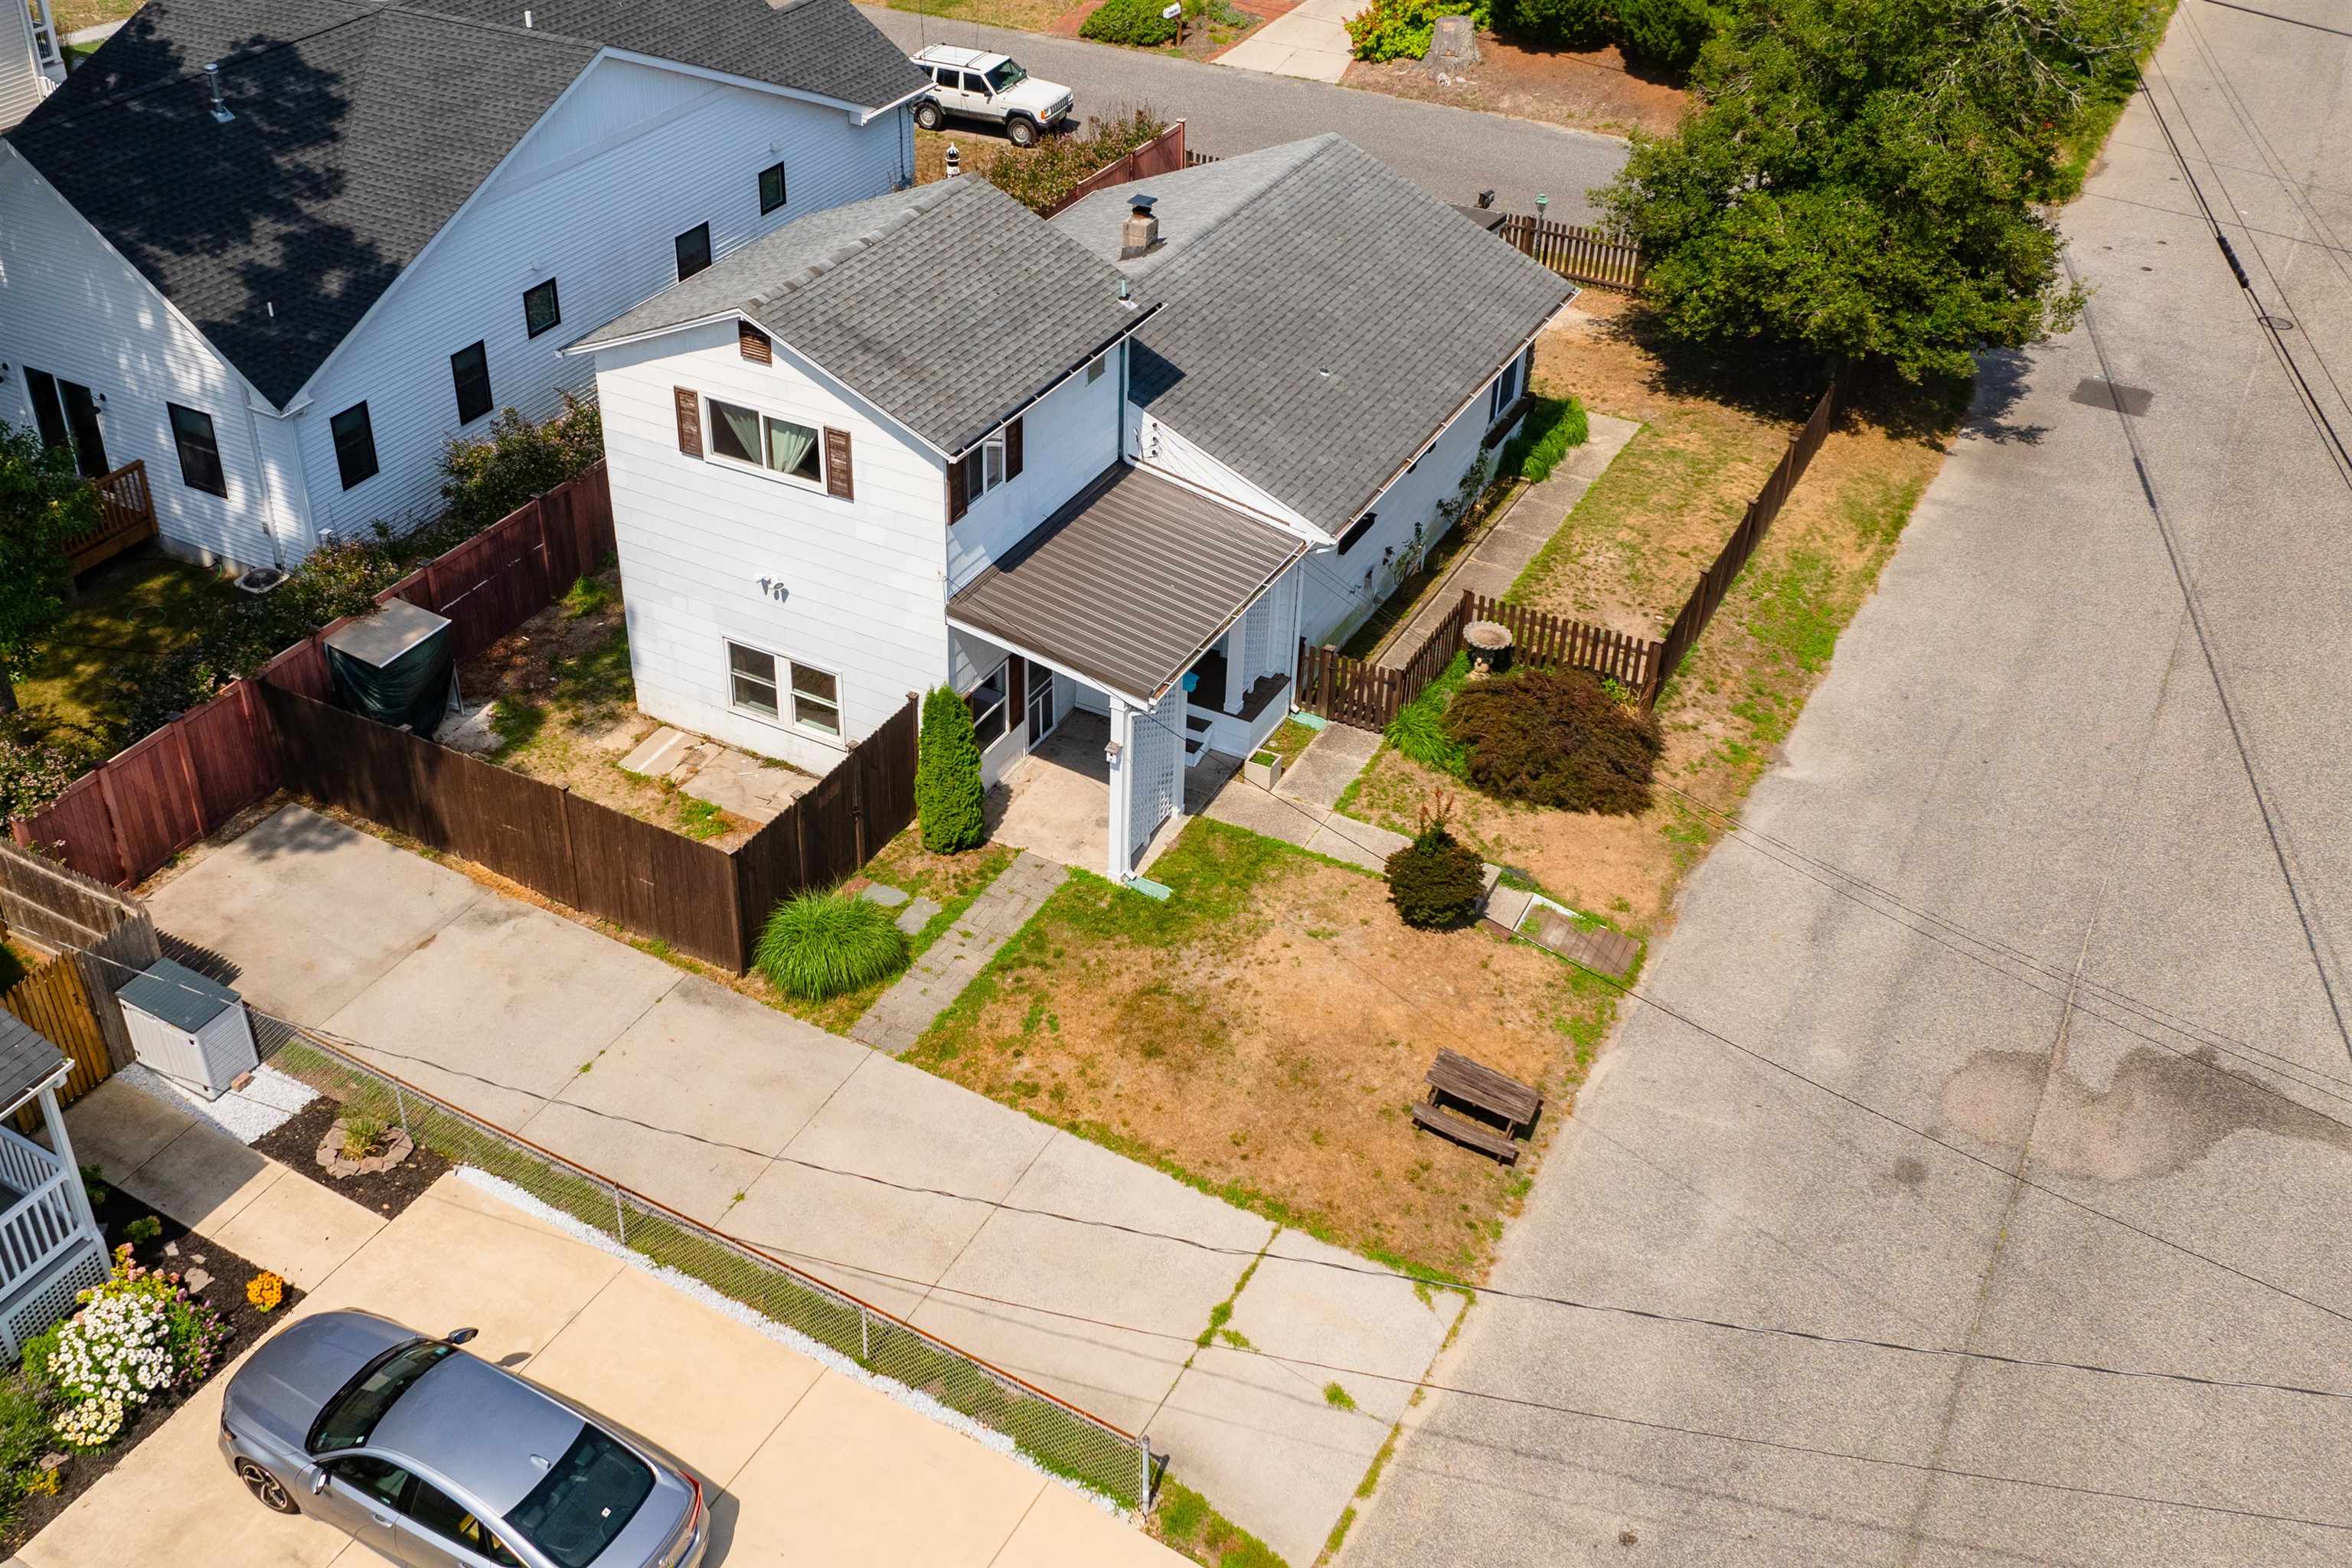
point(469, 368)
point(200, 464)
point(693, 251)
point(354, 445)
point(748, 435)
point(541, 308)
point(772, 188)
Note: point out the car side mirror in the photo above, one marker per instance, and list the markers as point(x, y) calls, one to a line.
point(318, 1480)
point(459, 1336)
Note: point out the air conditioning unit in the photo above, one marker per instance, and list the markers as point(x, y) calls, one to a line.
point(189, 1029)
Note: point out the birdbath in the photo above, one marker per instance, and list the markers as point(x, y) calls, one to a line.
point(1489, 643)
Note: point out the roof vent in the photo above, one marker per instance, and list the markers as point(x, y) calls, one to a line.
point(220, 104)
point(1140, 235)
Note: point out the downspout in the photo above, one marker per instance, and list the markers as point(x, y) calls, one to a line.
point(261, 472)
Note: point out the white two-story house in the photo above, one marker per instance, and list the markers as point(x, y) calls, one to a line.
point(283, 251)
point(930, 437)
point(32, 60)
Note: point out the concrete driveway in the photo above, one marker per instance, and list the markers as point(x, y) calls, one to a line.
point(898, 1186)
point(2098, 1117)
point(813, 1466)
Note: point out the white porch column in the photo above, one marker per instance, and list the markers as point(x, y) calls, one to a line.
point(55, 1121)
point(1120, 754)
point(1239, 675)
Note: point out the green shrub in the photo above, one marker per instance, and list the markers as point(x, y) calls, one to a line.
point(1553, 737)
point(38, 758)
point(1419, 729)
point(1561, 24)
point(948, 792)
point(144, 1229)
point(1434, 881)
point(23, 1437)
point(817, 945)
point(484, 480)
point(1400, 29)
point(1136, 23)
point(1666, 33)
point(1043, 178)
point(132, 1340)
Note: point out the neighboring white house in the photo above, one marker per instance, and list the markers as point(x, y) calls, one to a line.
point(288, 284)
point(31, 62)
point(930, 437)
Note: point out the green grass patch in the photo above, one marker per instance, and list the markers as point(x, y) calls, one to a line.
point(518, 722)
point(1289, 738)
point(697, 817)
point(1185, 1521)
point(129, 613)
point(598, 681)
point(1338, 1398)
point(589, 595)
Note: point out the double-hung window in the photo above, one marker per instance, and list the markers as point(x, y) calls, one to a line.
point(1506, 391)
point(354, 445)
point(200, 463)
point(758, 682)
point(693, 249)
point(747, 436)
point(983, 467)
point(541, 307)
point(772, 188)
point(469, 368)
point(986, 701)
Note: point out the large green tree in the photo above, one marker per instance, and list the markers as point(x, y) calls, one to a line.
point(1859, 178)
point(42, 503)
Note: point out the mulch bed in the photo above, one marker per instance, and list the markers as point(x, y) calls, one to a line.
point(296, 1146)
point(179, 1250)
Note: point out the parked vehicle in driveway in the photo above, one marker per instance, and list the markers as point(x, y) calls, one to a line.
point(981, 86)
point(434, 1459)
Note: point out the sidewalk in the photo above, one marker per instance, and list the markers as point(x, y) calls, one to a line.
point(813, 1464)
point(897, 1185)
point(1300, 809)
point(1309, 40)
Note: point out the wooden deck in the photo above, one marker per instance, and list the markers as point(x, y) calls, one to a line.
point(126, 517)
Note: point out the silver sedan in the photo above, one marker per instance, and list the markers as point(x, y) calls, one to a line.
point(437, 1459)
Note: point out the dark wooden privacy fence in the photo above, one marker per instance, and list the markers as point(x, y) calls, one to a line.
point(1353, 691)
point(125, 820)
point(1585, 255)
point(1163, 154)
point(1700, 607)
point(703, 900)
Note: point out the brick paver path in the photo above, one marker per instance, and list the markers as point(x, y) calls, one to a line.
point(953, 963)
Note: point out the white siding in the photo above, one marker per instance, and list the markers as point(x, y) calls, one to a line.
point(22, 85)
point(862, 586)
point(594, 197)
point(1154, 444)
point(1067, 437)
point(72, 306)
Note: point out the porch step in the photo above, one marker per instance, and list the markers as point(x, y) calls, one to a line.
point(1196, 739)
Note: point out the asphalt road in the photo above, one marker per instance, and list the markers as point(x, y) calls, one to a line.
point(1452, 153)
point(2067, 1081)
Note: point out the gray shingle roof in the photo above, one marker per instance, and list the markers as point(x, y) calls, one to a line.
point(1129, 582)
point(27, 1061)
point(361, 128)
point(1312, 257)
point(950, 306)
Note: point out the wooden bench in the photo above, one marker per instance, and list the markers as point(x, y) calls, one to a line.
point(1463, 1131)
point(1457, 1077)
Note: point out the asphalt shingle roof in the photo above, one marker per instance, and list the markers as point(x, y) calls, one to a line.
point(27, 1061)
point(361, 127)
point(1325, 315)
point(949, 307)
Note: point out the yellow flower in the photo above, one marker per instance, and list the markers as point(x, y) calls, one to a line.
point(264, 1290)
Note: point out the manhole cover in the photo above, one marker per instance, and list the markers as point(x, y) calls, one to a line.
point(2094, 392)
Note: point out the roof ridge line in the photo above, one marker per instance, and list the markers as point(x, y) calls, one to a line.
point(919, 204)
point(1325, 137)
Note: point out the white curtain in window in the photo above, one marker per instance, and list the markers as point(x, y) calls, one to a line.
point(792, 448)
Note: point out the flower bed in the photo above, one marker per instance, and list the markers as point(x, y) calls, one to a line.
point(91, 1388)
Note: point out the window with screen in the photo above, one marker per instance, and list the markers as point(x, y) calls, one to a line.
point(200, 463)
point(354, 445)
point(540, 306)
point(469, 368)
point(772, 188)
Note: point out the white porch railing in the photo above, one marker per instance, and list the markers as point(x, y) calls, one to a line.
point(42, 1223)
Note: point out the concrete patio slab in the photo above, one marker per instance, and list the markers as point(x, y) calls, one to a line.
point(851, 1480)
point(658, 753)
point(549, 996)
point(119, 1127)
point(203, 1178)
point(713, 1063)
point(719, 1401)
point(1160, 1294)
point(1055, 801)
point(236, 899)
point(1328, 765)
point(296, 1227)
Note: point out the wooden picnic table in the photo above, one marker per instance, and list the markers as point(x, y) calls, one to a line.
point(1455, 1076)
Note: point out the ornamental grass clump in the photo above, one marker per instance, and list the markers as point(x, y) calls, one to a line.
point(1555, 738)
point(1437, 880)
point(136, 1337)
point(821, 944)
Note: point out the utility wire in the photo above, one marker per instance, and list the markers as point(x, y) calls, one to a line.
point(2290, 21)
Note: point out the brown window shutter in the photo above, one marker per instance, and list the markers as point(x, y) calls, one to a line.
point(1012, 451)
point(689, 420)
point(839, 480)
point(958, 502)
point(753, 343)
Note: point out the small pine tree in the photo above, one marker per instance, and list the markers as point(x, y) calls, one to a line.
point(947, 775)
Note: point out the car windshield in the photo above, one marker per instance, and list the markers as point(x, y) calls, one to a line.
point(588, 1498)
point(1006, 76)
point(351, 1414)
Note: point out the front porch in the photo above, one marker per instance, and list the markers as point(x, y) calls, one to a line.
point(1056, 800)
point(50, 1246)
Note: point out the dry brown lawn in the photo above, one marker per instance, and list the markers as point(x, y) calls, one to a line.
point(1264, 1034)
point(1589, 89)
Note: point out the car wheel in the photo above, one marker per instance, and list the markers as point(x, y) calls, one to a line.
point(928, 115)
point(1024, 132)
point(267, 1490)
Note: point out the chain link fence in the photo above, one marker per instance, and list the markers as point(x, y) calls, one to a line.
point(1057, 1436)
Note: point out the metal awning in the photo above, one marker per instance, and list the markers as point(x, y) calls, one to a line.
point(1128, 584)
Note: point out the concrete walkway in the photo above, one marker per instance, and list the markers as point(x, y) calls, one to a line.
point(1494, 563)
point(812, 1463)
point(903, 1188)
point(1310, 40)
point(901, 1014)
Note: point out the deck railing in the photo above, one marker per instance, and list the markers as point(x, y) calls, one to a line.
point(126, 517)
point(42, 1223)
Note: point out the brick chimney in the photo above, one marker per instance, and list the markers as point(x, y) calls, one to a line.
point(1140, 235)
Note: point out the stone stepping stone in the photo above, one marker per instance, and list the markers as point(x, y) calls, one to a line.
point(915, 915)
point(877, 893)
point(658, 753)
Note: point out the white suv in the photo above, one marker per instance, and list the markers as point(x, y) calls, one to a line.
point(990, 86)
